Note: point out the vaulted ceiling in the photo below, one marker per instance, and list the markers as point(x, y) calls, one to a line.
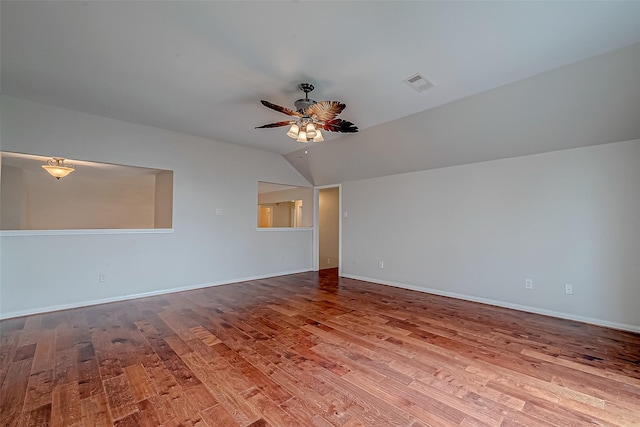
point(203, 67)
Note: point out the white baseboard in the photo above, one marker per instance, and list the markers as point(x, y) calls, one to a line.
point(590, 320)
point(48, 309)
point(528, 309)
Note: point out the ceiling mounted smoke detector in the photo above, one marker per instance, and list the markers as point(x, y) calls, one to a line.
point(418, 83)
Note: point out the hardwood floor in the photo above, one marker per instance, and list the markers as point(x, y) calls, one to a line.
point(313, 350)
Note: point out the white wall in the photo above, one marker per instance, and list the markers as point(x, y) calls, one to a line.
point(14, 199)
point(52, 271)
point(478, 231)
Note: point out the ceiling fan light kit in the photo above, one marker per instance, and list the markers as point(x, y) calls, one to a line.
point(305, 131)
point(312, 116)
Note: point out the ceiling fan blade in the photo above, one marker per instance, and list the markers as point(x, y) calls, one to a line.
point(287, 111)
point(339, 125)
point(325, 111)
point(276, 124)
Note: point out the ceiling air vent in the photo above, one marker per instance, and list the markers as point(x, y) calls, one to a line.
point(418, 83)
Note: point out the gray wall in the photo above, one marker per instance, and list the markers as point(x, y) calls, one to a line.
point(43, 272)
point(478, 231)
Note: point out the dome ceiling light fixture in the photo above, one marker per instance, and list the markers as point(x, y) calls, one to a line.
point(312, 116)
point(58, 168)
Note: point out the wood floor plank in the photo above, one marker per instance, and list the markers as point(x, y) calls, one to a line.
point(177, 345)
point(544, 389)
point(200, 397)
point(217, 415)
point(118, 391)
point(177, 324)
point(481, 414)
point(625, 379)
point(139, 382)
point(186, 413)
point(95, 412)
point(145, 417)
point(313, 349)
point(225, 389)
point(65, 369)
point(40, 416)
point(89, 378)
point(44, 355)
point(31, 330)
point(368, 407)
point(205, 336)
point(24, 352)
point(172, 361)
point(261, 381)
point(65, 405)
point(271, 412)
point(303, 412)
point(39, 390)
point(419, 405)
point(162, 408)
point(13, 392)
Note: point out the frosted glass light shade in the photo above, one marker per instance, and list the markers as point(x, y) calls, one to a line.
point(293, 131)
point(318, 137)
point(56, 168)
point(302, 136)
point(311, 131)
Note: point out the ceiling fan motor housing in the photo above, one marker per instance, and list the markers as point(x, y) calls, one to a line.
point(303, 104)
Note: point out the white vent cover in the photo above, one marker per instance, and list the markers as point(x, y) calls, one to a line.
point(418, 82)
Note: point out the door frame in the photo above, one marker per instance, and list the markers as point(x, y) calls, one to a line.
point(316, 226)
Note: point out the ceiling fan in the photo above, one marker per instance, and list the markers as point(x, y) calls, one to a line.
point(311, 117)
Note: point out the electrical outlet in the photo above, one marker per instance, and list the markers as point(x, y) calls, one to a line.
point(528, 284)
point(568, 288)
point(328, 261)
point(380, 264)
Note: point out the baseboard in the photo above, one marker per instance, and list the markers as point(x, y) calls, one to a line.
point(40, 310)
point(528, 309)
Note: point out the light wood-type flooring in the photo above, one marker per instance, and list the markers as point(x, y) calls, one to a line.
point(313, 350)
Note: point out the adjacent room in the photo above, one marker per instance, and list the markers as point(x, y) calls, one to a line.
point(306, 213)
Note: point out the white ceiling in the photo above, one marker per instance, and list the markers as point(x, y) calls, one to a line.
point(202, 67)
point(270, 187)
point(591, 102)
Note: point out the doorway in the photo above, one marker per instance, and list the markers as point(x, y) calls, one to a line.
point(328, 228)
point(265, 217)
